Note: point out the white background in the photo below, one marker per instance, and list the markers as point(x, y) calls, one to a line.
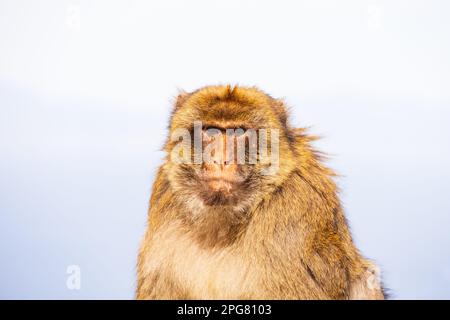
point(86, 89)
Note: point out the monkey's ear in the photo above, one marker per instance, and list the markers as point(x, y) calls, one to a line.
point(180, 99)
point(281, 112)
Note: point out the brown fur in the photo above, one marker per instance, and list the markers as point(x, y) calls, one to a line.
point(282, 237)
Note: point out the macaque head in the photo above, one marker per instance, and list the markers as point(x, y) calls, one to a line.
point(227, 145)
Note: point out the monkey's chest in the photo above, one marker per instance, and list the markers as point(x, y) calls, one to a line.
point(203, 273)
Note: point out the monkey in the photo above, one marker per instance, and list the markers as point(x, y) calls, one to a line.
point(224, 229)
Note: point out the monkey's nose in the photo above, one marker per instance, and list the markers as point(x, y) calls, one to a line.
point(221, 170)
point(221, 167)
point(221, 161)
point(221, 164)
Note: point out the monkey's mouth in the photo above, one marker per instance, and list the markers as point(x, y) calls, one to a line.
point(221, 184)
point(220, 190)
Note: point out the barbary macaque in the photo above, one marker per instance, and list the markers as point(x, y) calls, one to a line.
point(243, 208)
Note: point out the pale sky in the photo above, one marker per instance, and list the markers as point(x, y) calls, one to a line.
point(86, 90)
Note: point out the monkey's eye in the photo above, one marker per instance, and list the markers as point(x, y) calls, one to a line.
point(239, 132)
point(211, 129)
point(212, 132)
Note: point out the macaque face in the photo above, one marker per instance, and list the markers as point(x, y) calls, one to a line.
point(224, 164)
point(225, 170)
point(223, 153)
